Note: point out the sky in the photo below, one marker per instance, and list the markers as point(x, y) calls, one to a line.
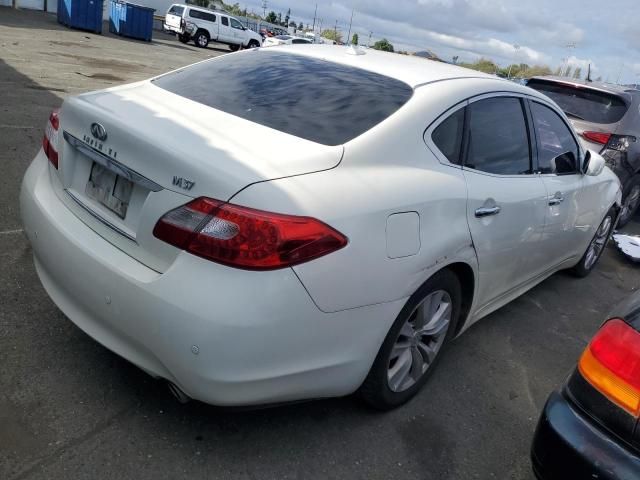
point(606, 33)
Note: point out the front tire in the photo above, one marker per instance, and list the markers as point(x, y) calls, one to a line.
point(414, 343)
point(596, 247)
point(253, 44)
point(233, 47)
point(630, 201)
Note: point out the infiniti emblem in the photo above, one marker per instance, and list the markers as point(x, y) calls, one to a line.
point(98, 132)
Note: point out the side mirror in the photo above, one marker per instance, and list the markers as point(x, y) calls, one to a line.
point(565, 163)
point(593, 164)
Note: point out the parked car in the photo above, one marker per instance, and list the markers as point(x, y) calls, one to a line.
point(201, 25)
point(285, 40)
point(607, 118)
point(257, 241)
point(589, 428)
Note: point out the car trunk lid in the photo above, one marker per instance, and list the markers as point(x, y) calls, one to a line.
point(132, 153)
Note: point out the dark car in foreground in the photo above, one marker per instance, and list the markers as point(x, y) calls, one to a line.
point(607, 118)
point(589, 428)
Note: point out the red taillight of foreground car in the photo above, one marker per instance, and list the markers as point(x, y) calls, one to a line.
point(597, 137)
point(50, 139)
point(611, 364)
point(244, 237)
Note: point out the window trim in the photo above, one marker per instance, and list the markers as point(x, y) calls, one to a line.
point(222, 21)
point(567, 124)
point(428, 135)
point(528, 126)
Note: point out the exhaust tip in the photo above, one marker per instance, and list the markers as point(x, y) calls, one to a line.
point(177, 393)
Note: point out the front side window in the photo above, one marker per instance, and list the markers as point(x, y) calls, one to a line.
point(236, 24)
point(557, 148)
point(498, 137)
point(299, 40)
point(448, 136)
point(225, 21)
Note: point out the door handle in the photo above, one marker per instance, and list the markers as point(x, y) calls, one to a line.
point(557, 199)
point(487, 211)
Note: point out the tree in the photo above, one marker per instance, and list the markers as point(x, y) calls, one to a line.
point(332, 34)
point(271, 17)
point(279, 19)
point(558, 72)
point(383, 45)
point(200, 3)
point(354, 39)
point(568, 72)
point(483, 65)
point(577, 73)
point(293, 24)
point(300, 26)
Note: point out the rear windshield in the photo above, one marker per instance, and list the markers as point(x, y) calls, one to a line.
point(583, 103)
point(176, 10)
point(314, 99)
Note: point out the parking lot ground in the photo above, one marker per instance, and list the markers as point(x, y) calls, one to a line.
point(70, 409)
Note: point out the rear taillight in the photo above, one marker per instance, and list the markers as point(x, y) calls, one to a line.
point(50, 139)
point(611, 364)
point(597, 137)
point(246, 238)
point(621, 142)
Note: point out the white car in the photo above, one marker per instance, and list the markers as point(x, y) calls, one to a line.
point(255, 242)
point(202, 25)
point(285, 40)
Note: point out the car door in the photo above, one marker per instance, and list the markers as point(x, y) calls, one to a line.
point(507, 201)
point(558, 157)
point(238, 31)
point(225, 34)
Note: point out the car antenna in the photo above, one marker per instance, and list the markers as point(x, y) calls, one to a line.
point(589, 74)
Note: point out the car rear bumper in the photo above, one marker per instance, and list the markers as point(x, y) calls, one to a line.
point(569, 445)
point(224, 336)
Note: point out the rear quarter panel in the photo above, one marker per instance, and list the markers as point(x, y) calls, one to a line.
point(385, 171)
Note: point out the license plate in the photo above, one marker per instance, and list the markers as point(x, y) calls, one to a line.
point(109, 189)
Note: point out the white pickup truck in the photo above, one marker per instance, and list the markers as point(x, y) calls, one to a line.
point(202, 26)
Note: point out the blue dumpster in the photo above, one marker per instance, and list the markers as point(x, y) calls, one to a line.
point(131, 20)
point(81, 14)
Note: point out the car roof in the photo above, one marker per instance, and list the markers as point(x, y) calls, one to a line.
point(601, 86)
point(196, 7)
point(407, 68)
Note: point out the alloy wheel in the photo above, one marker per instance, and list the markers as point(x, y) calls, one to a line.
point(419, 341)
point(598, 243)
point(630, 204)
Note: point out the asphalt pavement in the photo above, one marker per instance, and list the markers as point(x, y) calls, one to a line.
point(70, 409)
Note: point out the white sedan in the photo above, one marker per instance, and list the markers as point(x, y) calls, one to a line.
point(285, 40)
point(254, 242)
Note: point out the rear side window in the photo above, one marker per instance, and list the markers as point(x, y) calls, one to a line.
point(299, 40)
point(176, 10)
point(210, 17)
point(583, 103)
point(314, 99)
point(225, 21)
point(498, 137)
point(557, 149)
point(448, 136)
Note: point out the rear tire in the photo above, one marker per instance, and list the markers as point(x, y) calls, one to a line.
point(201, 39)
point(253, 44)
point(630, 201)
point(596, 247)
point(184, 38)
point(417, 338)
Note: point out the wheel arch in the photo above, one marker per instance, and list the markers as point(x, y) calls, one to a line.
point(467, 279)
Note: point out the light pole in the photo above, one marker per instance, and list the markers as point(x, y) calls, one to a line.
point(264, 8)
point(349, 34)
point(369, 41)
point(568, 46)
point(516, 47)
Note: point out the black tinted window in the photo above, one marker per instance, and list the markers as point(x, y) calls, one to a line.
point(176, 10)
point(583, 103)
point(321, 101)
point(498, 138)
point(448, 136)
point(202, 15)
point(225, 21)
point(299, 40)
point(557, 149)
